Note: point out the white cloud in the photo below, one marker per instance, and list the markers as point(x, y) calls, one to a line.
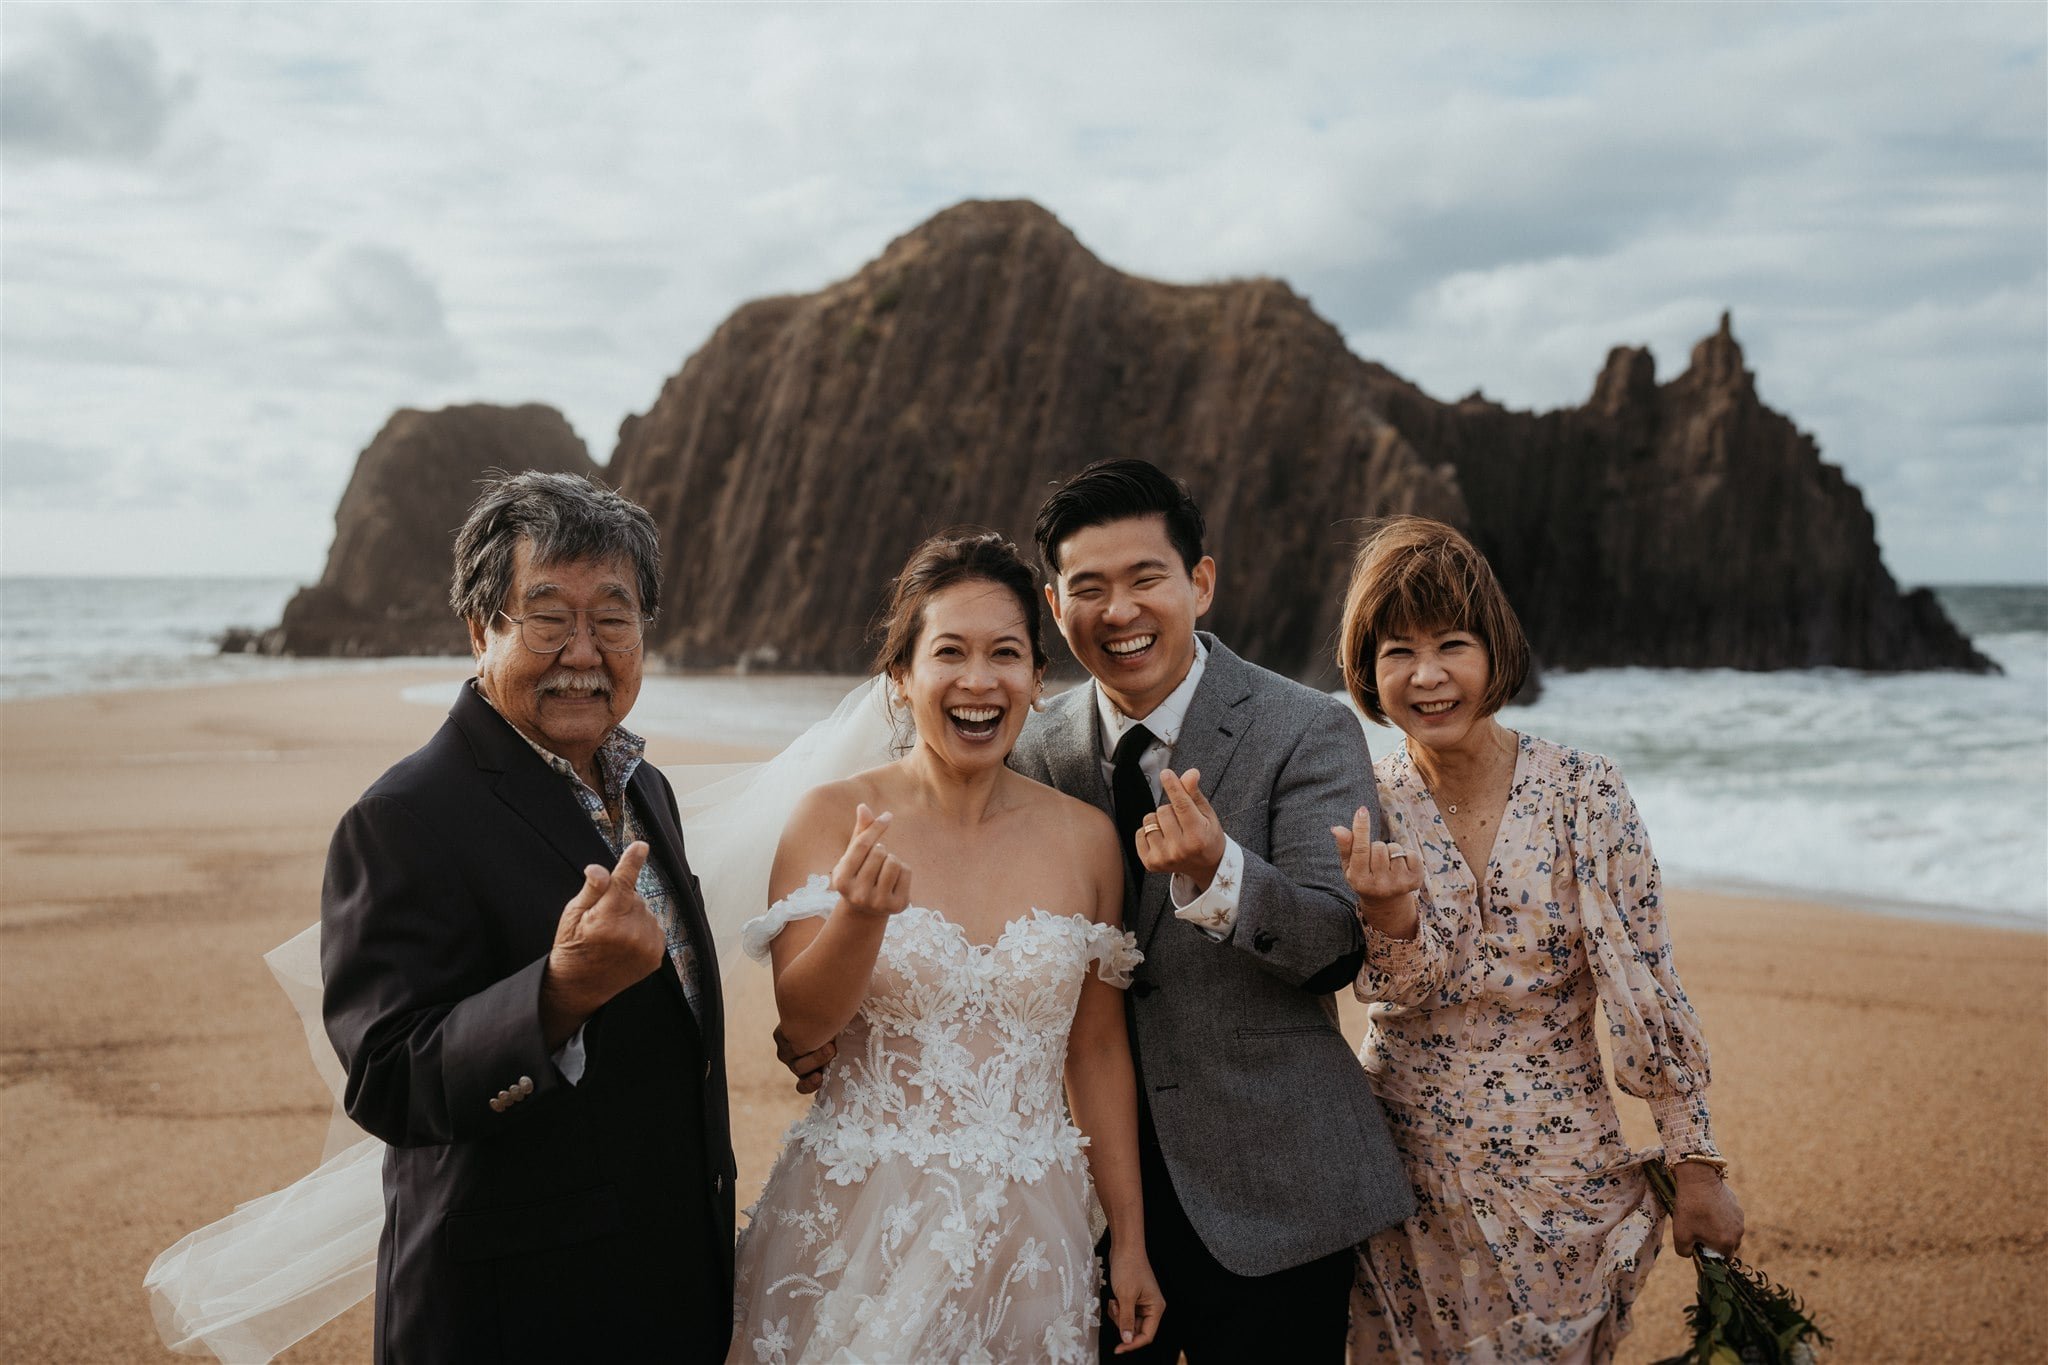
point(347, 209)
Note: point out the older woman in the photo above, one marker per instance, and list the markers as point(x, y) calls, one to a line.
point(1538, 896)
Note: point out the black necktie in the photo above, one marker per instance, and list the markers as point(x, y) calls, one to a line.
point(1132, 794)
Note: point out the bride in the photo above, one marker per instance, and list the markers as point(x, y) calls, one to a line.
point(993, 986)
point(934, 1202)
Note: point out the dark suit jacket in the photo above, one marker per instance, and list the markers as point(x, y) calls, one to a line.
point(592, 1221)
point(1278, 1152)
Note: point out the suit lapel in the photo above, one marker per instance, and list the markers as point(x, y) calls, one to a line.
point(1208, 741)
point(1073, 753)
point(665, 845)
point(528, 786)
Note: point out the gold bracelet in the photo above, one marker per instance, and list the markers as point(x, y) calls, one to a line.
point(1718, 1164)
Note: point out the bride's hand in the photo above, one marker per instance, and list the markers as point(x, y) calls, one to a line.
point(1135, 1303)
point(869, 878)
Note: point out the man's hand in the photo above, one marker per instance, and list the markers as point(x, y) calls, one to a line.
point(807, 1067)
point(607, 940)
point(1183, 837)
point(1384, 877)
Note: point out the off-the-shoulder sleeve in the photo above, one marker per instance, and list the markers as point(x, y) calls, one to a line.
point(1659, 1052)
point(813, 900)
point(1113, 951)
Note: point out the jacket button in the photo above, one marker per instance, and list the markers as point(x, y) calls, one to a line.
point(1263, 941)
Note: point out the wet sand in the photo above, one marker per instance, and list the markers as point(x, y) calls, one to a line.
point(1880, 1083)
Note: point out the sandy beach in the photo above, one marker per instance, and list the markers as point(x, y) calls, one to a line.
point(1880, 1083)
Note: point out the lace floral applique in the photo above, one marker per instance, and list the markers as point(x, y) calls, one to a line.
point(933, 1202)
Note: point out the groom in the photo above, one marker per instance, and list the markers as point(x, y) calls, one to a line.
point(1264, 1155)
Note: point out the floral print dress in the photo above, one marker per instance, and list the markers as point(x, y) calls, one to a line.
point(933, 1203)
point(1534, 1225)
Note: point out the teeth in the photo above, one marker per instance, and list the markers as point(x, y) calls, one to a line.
point(974, 715)
point(1434, 708)
point(1130, 646)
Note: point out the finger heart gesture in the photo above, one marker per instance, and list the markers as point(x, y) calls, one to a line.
point(868, 877)
point(606, 938)
point(1381, 874)
point(1183, 836)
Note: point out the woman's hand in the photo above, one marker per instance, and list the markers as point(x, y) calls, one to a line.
point(1384, 877)
point(1135, 1303)
point(869, 878)
point(1704, 1211)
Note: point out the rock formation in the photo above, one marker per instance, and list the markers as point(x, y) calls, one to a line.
point(1678, 525)
point(798, 456)
point(385, 588)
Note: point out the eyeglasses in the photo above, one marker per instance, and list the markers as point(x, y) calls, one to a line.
point(548, 632)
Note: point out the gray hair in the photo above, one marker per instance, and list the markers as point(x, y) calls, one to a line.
point(567, 518)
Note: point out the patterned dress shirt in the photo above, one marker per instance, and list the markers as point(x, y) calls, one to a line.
point(617, 758)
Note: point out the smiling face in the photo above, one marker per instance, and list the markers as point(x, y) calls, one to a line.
point(1127, 607)
point(565, 702)
point(970, 678)
point(1432, 684)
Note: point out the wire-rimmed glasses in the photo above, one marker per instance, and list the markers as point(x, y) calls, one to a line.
point(614, 629)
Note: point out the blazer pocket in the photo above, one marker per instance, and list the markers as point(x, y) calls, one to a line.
point(1284, 1030)
point(491, 1234)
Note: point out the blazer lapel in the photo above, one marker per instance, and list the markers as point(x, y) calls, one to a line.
point(665, 845)
point(1073, 753)
point(1208, 741)
point(527, 785)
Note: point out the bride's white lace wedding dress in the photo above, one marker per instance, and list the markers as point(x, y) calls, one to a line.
point(933, 1204)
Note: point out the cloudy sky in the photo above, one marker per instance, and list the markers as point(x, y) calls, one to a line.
point(235, 239)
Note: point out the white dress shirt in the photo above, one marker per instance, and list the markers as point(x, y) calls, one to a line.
point(1213, 911)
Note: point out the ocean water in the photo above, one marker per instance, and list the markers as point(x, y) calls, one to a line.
point(1917, 793)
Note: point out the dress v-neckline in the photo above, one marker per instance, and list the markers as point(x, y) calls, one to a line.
point(1477, 874)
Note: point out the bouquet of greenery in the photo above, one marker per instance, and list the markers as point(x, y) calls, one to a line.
point(1739, 1316)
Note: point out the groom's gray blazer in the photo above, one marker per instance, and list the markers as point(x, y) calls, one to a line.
point(1277, 1149)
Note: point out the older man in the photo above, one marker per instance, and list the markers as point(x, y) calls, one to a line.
point(519, 977)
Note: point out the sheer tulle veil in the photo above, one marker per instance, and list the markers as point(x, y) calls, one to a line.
point(266, 1276)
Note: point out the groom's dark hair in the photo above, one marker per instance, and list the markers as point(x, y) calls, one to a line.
point(1115, 490)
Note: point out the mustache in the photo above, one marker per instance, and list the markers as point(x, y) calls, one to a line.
point(574, 680)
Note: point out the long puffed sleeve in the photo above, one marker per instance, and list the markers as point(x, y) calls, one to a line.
point(1659, 1053)
point(1407, 971)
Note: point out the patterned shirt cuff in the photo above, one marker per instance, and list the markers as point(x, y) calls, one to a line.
point(1683, 1124)
point(570, 1059)
point(1214, 911)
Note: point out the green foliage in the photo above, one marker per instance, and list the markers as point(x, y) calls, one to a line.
point(1738, 1316)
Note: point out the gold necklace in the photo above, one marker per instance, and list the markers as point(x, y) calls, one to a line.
point(1451, 807)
